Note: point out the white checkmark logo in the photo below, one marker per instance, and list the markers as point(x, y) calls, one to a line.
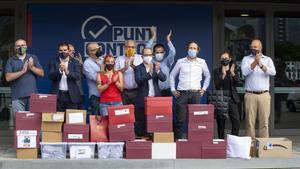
point(95, 35)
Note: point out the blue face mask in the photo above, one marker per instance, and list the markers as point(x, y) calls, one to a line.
point(192, 53)
point(254, 52)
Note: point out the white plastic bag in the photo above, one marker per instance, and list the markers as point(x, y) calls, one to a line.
point(238, 147)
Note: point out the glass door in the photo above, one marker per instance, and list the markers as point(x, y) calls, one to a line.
point(287, 62)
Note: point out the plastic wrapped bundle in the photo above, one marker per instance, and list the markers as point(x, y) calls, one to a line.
point(53, 150)
point(110, 150)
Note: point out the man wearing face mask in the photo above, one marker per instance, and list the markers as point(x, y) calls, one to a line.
point(257, 69)
point(165, 62)
point(91, 66)
point(64, 71)
point(126, 65)
point(226, 79)
point(146, 76)
point(22, 71)
point(189, 90)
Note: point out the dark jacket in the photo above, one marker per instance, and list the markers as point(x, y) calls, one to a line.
point(72, 77)
point(141, 77)
point(234, 83)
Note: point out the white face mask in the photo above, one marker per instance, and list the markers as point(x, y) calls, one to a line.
point(159, 56)
point(147, 59)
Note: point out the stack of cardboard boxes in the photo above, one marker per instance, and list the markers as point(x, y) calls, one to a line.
point(52, 126)
point(75, 129)
point(121, 123)
point(200, 143)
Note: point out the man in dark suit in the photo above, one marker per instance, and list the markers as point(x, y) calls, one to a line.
point(226, 79)
point(64, 71)
point(146, 76)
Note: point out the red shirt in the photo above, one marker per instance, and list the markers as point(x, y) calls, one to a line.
point(112, 93)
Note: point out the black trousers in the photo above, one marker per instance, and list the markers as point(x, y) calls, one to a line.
point(64, 101)
point(140, 122)
point(94, 103)
point(166, 92)
point(128, 96)
point(234, 118)
point(182, 101)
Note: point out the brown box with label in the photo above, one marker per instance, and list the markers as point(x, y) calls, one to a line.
point(76, 133)
point(273, 147)
point(121, 132)
point(51, 136)
point(52, 122)
point(163, 137)
point(42, 103)
point(188, 149)
point(27, 153)
point(75, 116)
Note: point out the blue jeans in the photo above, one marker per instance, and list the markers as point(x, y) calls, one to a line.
point(103, 107)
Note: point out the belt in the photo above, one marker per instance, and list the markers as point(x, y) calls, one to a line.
point(63, 91)
point(189, 91)
point(257, 92)
point(130, 89)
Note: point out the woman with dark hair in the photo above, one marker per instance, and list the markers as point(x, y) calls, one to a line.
point(226, 79)
point(110, 84)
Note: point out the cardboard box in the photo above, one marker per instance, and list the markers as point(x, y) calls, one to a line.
point(163, 151)
point(273, 147)
point(53, 121)
point(159, 123)
point(121, 114)
point(27, 153)
point(214, 149)
point(76, 133)
point(121, 132)
point(26, 139)
point(42, 103)
point(26, 120)
point(74, 116)
point(188, 149)
point(52, 137)
point(163, 137)
point(138, 149)
point(200, 113)
point(158, 105)
point(202, 132)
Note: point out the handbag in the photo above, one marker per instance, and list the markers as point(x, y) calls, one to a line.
point(220, 99)
point(98, 128)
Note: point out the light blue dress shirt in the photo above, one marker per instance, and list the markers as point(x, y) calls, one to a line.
point(90, 70)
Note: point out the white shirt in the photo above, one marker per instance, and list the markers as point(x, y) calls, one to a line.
point(151, 92)
point(190, 74)
point(129, 81)
point(257, 79)
point(63, 84)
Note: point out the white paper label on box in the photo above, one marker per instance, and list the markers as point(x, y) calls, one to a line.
point(83, 152)
point(26, 141)
point(121, 112)
point(26, 132)
point(121, 125)
point(202, 127)
point(269, 146)
point(29, 114)
point(42, 96)
point(200, 113)
point(75, 136)
point(58, 117)
point(159, 116)
point(75, 118)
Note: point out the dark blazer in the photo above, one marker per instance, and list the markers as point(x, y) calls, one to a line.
point(141, 77)
point(72, 77)
point(234, 83)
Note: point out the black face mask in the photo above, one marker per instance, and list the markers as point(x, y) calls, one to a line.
point(254, 52)
point(109, 66)
point(225, 62)
point(98, 53)
point(62, 55)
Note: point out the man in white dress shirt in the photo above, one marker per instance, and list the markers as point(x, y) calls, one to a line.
point(257, 69)
point(126, 65)
point(189, 89)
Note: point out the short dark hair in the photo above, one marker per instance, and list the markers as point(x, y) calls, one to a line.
point(159, 45)
point(144, 49)
point(187, 46)
point(63, 44)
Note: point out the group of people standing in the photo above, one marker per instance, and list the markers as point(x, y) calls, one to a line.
point(128, 79)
